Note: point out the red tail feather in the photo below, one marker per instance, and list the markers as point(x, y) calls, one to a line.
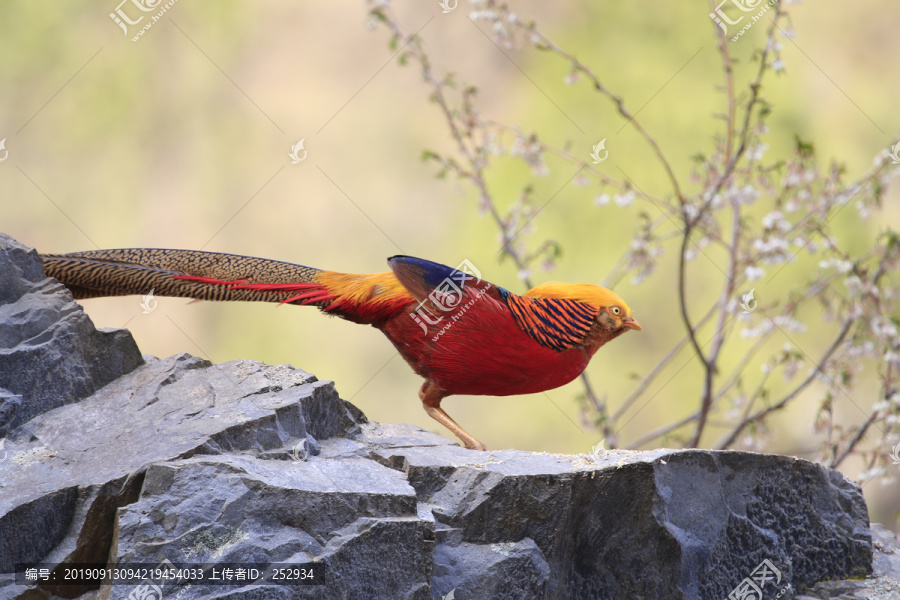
point(312, 293)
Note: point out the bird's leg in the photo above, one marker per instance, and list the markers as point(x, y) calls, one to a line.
point(431, 396)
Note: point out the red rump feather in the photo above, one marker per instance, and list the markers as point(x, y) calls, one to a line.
point(312, 293)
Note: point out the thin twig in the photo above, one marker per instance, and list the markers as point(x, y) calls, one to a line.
point(759, 415)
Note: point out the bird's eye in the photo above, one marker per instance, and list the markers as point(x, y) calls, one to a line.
point(616, 310)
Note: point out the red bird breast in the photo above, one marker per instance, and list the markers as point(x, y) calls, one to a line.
point(479, 349)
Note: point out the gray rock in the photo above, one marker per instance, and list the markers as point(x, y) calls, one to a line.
point(184, 461)
point(10, 405)
point(343, 516)
point(84, 463)
point(503, 570)
point(884, 583)
point(50, 352)
point(164, 410)
point(696, 522)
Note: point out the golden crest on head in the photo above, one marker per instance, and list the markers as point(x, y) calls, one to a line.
point(581, 292)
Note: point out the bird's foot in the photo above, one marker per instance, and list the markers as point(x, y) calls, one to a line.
point(431, 396)
point(476, 445)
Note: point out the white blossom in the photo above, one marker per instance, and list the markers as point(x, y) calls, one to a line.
point(487, 15)
point(753, 273)
point(791, 179)
point(775, 220)
point(789, 323)
point(854, 284)
point(581, 180)
point(761, 329)
point(881, 406)
point(772, 250)
point(883, 327)
point(756, 153)
point(869, 474)
point(625, 199)
point(842, 266)
point(748, 194)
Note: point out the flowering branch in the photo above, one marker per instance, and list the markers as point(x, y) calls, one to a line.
point(761, 215)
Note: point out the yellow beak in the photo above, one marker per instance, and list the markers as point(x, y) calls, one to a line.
point(631, 323)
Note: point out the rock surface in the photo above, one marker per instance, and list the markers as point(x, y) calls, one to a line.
point(184, 461)
point(49, 348)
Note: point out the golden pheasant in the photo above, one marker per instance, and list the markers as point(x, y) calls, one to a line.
point(461, 333)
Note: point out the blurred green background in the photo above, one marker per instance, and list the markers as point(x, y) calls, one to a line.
point(181, 140)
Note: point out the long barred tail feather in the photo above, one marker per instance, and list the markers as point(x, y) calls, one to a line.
point(185, 274)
